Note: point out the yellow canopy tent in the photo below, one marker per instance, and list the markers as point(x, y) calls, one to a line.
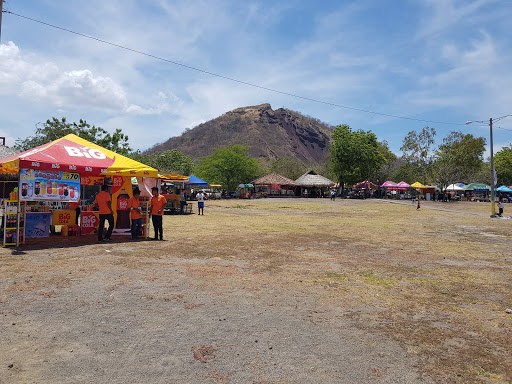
point(74, 154)
point(418, 185)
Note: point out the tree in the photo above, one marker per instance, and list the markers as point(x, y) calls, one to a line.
point(354, 155)
point(228, 166)
point(55, 129)
point(503, 165)
point(290, 168)
point(417, 150)
point(388, 167)
point(459, 158)
point(171, 161)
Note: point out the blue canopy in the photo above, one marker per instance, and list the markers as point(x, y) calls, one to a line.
point(503, 188)
point(194, 180)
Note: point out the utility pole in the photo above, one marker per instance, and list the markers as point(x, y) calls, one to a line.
point(493, 203)
point(1, 11)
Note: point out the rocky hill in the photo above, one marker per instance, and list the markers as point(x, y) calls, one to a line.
point(270, 134)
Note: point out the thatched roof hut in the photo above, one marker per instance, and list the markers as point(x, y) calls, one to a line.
point(312, 180)
point(274, 178)
point(6, 152)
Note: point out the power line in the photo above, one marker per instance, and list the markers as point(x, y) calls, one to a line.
point(230, 78)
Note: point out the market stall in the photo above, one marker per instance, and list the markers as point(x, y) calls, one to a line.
point(49, 176)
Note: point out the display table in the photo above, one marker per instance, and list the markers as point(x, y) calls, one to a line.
point(38, 224)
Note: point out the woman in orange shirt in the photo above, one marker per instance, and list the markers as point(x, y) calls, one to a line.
point(135, 213)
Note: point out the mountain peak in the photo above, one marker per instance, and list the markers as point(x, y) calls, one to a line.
point(270, 135)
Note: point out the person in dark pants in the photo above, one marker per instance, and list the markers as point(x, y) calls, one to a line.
point(104, 202)
point(158, 203)
point(135, 214)
point(183, 202)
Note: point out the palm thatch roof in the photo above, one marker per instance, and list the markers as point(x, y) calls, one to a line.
point(273, 178)
point(312, 179)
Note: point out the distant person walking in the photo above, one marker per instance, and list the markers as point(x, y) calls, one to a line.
point(104, 202)
point(200, 202)
point(333, 194)
point(135, 213)
point(158, 203)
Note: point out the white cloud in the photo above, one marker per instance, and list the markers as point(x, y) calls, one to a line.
point(44, 82)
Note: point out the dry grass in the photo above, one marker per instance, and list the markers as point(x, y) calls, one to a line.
point(436, 280)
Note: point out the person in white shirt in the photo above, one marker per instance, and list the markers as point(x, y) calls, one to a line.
point(200, 202)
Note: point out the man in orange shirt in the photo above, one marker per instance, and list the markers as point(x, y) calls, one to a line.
point(104, 202)
point(158, 203)
point(135, 213)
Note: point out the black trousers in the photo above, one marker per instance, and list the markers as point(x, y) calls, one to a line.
point(110, 218)
point(78, 211)
point(157, 225)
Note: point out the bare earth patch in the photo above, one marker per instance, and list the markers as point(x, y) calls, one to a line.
point(268, 291)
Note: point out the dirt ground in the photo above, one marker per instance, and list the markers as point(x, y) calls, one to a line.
point(268, 291)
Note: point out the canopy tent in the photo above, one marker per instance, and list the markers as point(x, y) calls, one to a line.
point(403, 184)
point(173, 178)
point(503, 189)
point(418, 185)
point(194, 180)
point(478, 187)
point(388, 184)
point(74, 154)
point(456, 187)
point(365, 185)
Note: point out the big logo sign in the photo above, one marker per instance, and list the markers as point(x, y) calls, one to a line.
point(90, 221)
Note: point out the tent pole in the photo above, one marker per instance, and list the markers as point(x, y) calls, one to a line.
point(18, 214)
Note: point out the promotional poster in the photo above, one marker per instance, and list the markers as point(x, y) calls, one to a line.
point(49, 185)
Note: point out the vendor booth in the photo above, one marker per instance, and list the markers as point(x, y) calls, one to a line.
point(51, 176)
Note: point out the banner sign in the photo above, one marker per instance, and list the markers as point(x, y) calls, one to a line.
point(91, 180)
point(49, 185)
point(64, 217)
point(89, 220)
point(275, 186)
point(37, 225)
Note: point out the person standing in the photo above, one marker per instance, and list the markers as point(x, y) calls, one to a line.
point(75, 205)
point(104, 202)
point(183, 202)
point(158, 203)
point(333, 194)
point(135, 213)
point(200, 202)
point(500, 207)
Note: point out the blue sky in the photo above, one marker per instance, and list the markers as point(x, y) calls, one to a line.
point(438, 60)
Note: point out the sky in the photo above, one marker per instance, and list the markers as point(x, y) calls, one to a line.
point(389, 67)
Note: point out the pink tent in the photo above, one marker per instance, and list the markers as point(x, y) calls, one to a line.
point(403, 184)
point(388, 184)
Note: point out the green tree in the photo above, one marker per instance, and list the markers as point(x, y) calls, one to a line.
point(55, 129)
point(417, 151)
point(354, 155)
point(228, 166)
point(503, 165)
point(290, 168)
point(388, 167)
point(459, 158)
point(171, 161)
